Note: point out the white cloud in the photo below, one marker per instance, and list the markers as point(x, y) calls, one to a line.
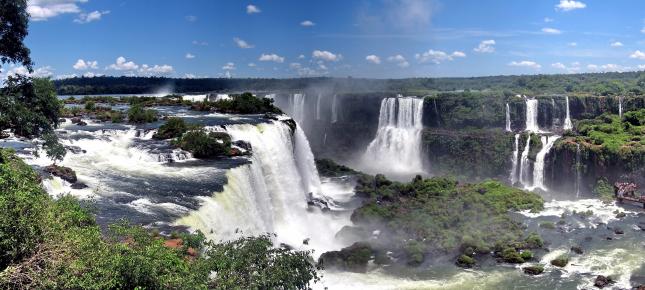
point(616, 44)
point(191, 18)
point(252, 64)
point(251, 9)
point(241, 43)
point(549, 30)
point(90, 74)
point(641, 66)
point(89, 17)
point(62, 77)
point(610, 67)
point(271, 57)
point(83, 65)
point(326, 55)
point(486, 46)
point(41, 10)
point(399, 60)
point(525, 63)
point(123, 64)
point(548, 20)
point(373, 59)
point(638, 55)
point(559, 65)
point(572, 44)
point(156, 69)
point(200, 43)
point(229, 66)
point(295, 65)
point(190, 55)
point(592, 67)
point(41, 72)
point(643, 30)
point(302, 56)
point(437, 56)
point(568, 5)
point(307, 23)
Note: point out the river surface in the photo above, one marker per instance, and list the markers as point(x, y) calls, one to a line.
point(129, 175)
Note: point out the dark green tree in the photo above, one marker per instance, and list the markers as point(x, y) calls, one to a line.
point(14, 21)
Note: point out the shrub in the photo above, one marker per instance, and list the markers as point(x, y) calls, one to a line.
point(204, 144)
point(465, 261)
point(560, 261)
point(90, 106)
point(137, 114)
point(173, 128)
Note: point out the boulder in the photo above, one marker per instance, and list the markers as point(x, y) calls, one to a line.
point(63, 172)
point(4, 135)
point(76, 120)
point(533, 270)
point(577, 249)
point(618, 231)
point(561, 261)
point(79, 185)
point(602, 281)
point(353, 258)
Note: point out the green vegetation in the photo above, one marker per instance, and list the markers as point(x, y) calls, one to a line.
point(533, 269)
point(547, 225)
point(604, 190)
point(245, 103)
point(466, 261)
point(613, 134)
point(560, 261)
point(329, 168)
point(440, 215)
point(138, 115)
point(353, 258)
point(57, 244)
point(204, 144)
point(173, 128)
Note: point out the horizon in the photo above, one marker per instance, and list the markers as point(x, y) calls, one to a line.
point(386, 39)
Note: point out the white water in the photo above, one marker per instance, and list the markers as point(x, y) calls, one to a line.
point(194, 98)
point(553, 110)
point(620, 107)
point(297, 104)
point(567, 120)
point(525, 162)
point(397, 145)
point(532, 115)
point(270, 193)
point(318, 106)
point(334, 110)
point(515, 159)
point(508, 118)
point(578, 170)
point(538, 167)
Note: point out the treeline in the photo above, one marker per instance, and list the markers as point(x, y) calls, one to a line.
point(626, 83)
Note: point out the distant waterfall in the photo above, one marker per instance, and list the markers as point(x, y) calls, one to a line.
point(515, 159)
point(578, 170)
point(297, 105)
point(318, 106)
point(508, 118)
point(269, 194)
point(525, 162)
point(538, 168)
point(397, 145)
point(532, 115)
point(553, 113)
point(620, 107)
point(334, 110)
point(567, 120)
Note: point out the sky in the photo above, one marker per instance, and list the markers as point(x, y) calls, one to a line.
point(338, 38)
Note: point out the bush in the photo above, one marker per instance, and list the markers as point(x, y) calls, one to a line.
point(173, 128)
point(560, 261)
point(466, 261)
point(90, 106)
point(138, 115)
point(204, 144)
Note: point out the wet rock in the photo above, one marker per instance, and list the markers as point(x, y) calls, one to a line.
point(641, 226)
point(244, 145)
point(621, 215)
point(641, 287)
point(79, 185)
point(618, 231)
point(76, 120)
point(465, 261)
point(62, 120)
point(533, 270)
point(291, 123)
point(353, 258)
point(602, 281)
point(577, 249)
point(75, 149)
point(4, 135)
point(63, 172)
point(561, 261)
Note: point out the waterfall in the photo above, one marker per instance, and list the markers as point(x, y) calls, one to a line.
point(334, 110)
point(620, 107)
point(553, 113)
point(318, 106)
point(532, 115)
point(538, 168)
point(508, 118)
point(525, 162)
point(269, 194)
point(397, 145)
point(298, 107)
point(578, 170)
point(514, 159)
point(567, 120)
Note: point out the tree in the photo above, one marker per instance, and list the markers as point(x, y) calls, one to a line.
point(14, 21)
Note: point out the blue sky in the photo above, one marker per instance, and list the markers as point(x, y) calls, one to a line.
point(376, 39)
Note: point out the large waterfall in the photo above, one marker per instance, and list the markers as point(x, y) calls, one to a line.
point(532, 115)
point(538, 167)
point(270, 194)
point(567, 119)
point(397, 145)
point(515, 159)
point(620, 107)
point(334, 110)
point(525, 162)
point(318, 106)
point(578, 170)
point(297, 105)
point(508, 118)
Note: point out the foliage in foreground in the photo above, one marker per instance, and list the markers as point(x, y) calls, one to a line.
point(57, 244)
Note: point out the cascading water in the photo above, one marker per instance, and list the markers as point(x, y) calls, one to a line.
point(532, 115)
point(578, 170)
point(538, 168)
point(397, 145)
point(567, 119)
point(334, 110)
point(553, 113)
point(508, 118)
point(297, 106)
point(525, 162)
point(620, 107)
point(318, 106)
point(514, 159)
point(270, 194)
